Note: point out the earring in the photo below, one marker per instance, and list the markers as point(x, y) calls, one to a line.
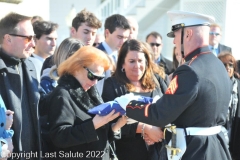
point(123, 70)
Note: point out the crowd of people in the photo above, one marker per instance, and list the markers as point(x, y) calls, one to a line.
point(46, 90)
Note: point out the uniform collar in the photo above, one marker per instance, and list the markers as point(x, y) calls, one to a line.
point(196, 52)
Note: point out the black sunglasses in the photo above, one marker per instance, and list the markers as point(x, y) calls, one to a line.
point(93, 76)
point(96, 44)
point(29, 38)
point(230, 65)
point(155, 44)
point(214, 33)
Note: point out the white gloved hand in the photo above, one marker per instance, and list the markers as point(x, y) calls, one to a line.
point(157, 97)
point(125, 99)
point(9, 119)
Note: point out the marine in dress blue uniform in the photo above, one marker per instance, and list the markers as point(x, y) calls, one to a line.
point(197, 96)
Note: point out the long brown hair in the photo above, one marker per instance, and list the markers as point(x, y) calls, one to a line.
point(148, 80)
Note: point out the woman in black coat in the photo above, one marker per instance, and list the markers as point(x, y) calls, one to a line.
point(233, 118)
point(135, 73)
point(74, 132)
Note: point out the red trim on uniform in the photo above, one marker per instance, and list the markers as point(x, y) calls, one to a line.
point(195, 57)
point(191, 52)
point(146, 110)
point(134, 107)
point(173, 86)
point(143, 106)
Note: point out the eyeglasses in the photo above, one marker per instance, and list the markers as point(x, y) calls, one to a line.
point(155, 44)
point(29, 38)
point(214, 33)
point(93, 76)
point(96, 44)
point(230, 65)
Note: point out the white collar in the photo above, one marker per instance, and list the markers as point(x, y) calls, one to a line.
point(107, 48)
point(215, 46)
point(38, 57)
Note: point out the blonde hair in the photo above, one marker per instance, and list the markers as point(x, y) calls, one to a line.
point(83, 57)
point(66, 49)
point(216, 25)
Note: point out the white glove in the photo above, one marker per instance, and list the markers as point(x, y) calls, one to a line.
point(9, 119)
point(125, 99)
point(157, 97)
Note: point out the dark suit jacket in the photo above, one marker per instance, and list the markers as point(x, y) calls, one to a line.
point(101, 47)
point(222, 48)
point(234, 144)
point(167, 65)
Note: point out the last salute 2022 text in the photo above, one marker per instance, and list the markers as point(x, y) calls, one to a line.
point(70, 154)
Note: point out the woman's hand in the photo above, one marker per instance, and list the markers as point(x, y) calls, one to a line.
point(9, 119)
point(99, 121)
point(120, 123)
point(148, 140)
point(154, 133)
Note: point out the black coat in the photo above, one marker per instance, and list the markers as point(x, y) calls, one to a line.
point(11, 91)
point(71, 127)
point(131, 142)
point(166, 64)
point(198, 96)
point(234, 142)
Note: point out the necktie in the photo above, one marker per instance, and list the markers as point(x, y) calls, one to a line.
point(214, 51)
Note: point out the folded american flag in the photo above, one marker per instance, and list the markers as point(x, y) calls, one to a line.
point(105, 108)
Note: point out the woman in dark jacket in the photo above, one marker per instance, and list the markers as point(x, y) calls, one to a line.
point(233, 117)
point(135, 73)
point(74, 132)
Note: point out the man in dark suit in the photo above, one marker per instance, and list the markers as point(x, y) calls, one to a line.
point(155, 41)
point(117, 31)
point(215, 35)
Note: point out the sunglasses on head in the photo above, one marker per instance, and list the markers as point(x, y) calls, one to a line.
point(93, 76)
point(214, 33)
point(230, 65)
point(155, 44)
point(29, 38)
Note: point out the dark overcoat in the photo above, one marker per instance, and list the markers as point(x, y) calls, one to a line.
point(71, 127)
point(11, 89)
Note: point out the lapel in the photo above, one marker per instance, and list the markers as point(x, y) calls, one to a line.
point(102, 48)
point(220, 48)
point(32, 90)
point(31, 82)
